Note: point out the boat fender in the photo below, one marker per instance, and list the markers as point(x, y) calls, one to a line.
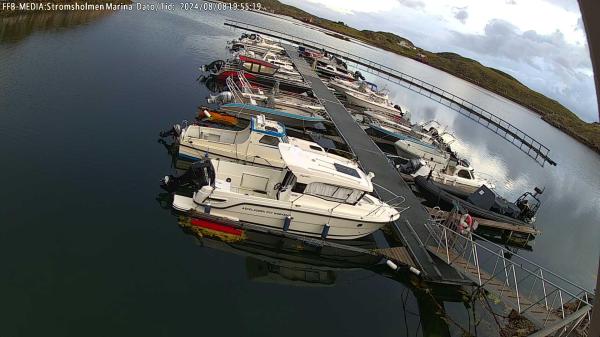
point(415, 271)
point(391, 264)
point(466, 224)
point(206, 113)
point(325, 231)
point(286, 223)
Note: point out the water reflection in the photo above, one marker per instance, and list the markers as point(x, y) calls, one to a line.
point(281, 261)
point(16, 28)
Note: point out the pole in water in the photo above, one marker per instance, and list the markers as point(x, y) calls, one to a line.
point(286, 223)
point(325, 231)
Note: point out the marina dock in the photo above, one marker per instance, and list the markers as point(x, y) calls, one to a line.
point(435, 246)
point(504, 129)
point(387, 182)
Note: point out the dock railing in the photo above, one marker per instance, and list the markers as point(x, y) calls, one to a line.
point(550, 301)
point(498, 125)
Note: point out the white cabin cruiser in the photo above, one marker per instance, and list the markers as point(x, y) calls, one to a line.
point(257, 144)
point(314, 195)
point(458, 177)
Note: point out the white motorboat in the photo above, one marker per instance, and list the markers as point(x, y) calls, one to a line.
point(373, 102)
point(458, 177)
point(257, 144)
point(314, 195)
point(260, 43)
point(333, 71)
point(359, 87)
point(430, 152)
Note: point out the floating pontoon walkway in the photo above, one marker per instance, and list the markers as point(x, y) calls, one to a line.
point(388, 183)
point(501, 127)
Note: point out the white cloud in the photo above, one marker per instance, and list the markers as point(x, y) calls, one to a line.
point(541, 42)
point(361, 6)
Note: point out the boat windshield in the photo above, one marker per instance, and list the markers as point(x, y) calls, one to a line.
point(333, 192)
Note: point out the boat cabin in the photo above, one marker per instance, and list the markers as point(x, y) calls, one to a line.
point(258, 66)
point(328, 177)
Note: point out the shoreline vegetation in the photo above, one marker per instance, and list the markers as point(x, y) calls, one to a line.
point(494, 80)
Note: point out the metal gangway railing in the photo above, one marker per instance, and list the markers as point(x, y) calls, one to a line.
point(555, 305)
point(498, 125)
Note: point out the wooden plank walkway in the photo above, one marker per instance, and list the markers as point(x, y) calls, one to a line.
point(536, 313)
point(397, 254)
point(388, 184)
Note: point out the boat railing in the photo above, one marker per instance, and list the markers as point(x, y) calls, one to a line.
point(235, 90)
point(539, 294)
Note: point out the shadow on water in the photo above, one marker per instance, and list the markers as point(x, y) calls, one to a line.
point(16, 28)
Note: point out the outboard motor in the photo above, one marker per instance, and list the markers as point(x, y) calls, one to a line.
point(399, 108)
point(358, 76)
point(174, 132)
point(410, 166)
point(200, 173)
point(222, 98)
point(213, 67)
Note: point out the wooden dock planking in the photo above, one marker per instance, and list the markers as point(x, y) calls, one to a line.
point(399, 254)
point(537, 313)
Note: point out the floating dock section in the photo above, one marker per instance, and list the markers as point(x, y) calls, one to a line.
point(388, 183)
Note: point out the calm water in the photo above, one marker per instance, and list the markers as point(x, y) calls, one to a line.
point(87, 249)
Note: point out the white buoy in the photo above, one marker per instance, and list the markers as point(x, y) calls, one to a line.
point(391, 264)
point(415, 271)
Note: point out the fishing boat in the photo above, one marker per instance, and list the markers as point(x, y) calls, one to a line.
point(256, 144)
point(243, 92)
point(416, 148)
point(329, 70)
point(314, 195)
point(257, 42)
point(257, 70)
point(359, 87)
point(485, 203)
point(373, 102)
point(300, 119)
point(457, 178)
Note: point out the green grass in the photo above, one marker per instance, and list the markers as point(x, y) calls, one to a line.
point(470, 70)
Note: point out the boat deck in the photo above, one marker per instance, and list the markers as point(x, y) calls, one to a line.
point(388, 184)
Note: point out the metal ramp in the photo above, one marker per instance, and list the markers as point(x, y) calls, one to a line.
point(552, 303)
point(527, 144)
point(387, 182)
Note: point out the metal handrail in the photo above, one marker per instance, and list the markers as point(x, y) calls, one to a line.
point(494, 253)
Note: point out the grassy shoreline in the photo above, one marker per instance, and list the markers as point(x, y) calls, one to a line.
point(467, 69)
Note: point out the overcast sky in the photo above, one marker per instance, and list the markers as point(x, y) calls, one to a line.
point(540, 42)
